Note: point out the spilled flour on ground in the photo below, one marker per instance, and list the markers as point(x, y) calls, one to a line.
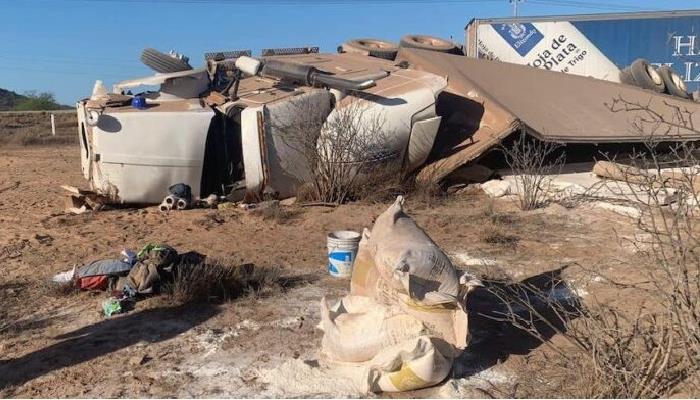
point(211, 341)
point(473, 386)
point(297, 378)
point(465, 260)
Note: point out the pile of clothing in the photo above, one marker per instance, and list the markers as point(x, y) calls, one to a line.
point(134, 274)
point(404, 322)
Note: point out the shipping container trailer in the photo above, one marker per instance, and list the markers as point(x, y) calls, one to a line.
point(596, 45)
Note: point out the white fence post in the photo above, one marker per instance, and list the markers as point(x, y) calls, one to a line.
point(53, 124)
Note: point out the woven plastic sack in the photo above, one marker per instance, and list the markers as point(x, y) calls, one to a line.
point(356, 328)
point(410, 365)
point(408, 259)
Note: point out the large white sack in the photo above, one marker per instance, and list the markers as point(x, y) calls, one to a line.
point(446, 321)
point(393, 349)
point(408, 259)
point(410, 365)
point(357, 328)
point(364, 271)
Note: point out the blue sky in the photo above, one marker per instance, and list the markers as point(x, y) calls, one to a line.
point(62, 46)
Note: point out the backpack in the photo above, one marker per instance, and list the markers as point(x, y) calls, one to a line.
point(101, 274)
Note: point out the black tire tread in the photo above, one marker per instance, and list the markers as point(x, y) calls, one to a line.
point(387, 54)
point(163, 63)
point(642, 78)
point(409, 41)
point(627, 78)
point(666, 73)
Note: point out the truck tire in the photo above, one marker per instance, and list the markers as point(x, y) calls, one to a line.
point(163, 63)
point(696, 96)
point(627, 78)
point(646, 76)
point(374, 47)
point(674, 83)
point(425, 42)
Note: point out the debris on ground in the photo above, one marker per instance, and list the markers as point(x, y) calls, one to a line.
point(627, 211)
point(616, 187)
point(179, 198)
point(125, 279)
point(64, 277)
point(79, 201)
point(111, 306)
point(404, 321)
point(261, 206)
point(288, 201)
point(466, 260)
point(496, 188)
point(101, 274)
point(43, 239)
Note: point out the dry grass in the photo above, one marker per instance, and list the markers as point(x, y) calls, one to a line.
point(34, 129)
point(646, 342)
point(503, 219)
point(221, 281)
point(55, 289)
point(46, 140)
point(278, 214)
point(428, 195)
point(496, 236)
point(17, 317)
point(599, 351)
point(306, 193)
point(210, 220)
point(499, 229)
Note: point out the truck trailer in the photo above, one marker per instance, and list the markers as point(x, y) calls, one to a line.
point(595, 45)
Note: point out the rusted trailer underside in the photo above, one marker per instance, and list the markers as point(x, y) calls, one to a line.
point(486, 101)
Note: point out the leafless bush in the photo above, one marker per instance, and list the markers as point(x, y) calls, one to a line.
point(669, 233)
point(606, 349)
point(532, 162)
point(601, 352)
point(340, 153)
point(220, 281)
point(382, 183)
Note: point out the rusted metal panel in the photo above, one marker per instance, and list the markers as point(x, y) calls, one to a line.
point(473, 122)
point(487, 100)
point(263, 148)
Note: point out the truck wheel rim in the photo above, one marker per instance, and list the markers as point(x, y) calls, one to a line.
point(654, 75)
point(680, 83)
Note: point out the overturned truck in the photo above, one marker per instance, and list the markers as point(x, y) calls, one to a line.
point(223, 129)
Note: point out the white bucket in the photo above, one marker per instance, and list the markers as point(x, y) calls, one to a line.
point(342, 250)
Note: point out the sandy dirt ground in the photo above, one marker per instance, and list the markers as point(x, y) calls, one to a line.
point(54, 345)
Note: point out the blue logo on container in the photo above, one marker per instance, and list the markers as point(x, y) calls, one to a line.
point(339, 262)
point(521, 37)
